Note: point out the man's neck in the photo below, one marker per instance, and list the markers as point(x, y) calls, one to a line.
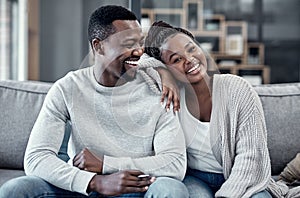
point(106, 79)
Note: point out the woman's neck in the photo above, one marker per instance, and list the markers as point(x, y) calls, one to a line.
point(198, 99)
point(202, 88)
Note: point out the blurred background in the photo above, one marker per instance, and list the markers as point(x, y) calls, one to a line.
point(257, 39)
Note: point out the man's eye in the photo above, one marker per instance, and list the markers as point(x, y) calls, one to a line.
point(129, 45)
point(142, 43)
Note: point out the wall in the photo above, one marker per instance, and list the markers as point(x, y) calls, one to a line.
point(63, 40)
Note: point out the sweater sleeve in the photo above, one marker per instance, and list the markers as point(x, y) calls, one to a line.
point(169, 157)
point(45, 140)
point(147, 61)
point(250, 168)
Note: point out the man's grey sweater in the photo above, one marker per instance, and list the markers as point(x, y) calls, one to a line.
point(125, 125)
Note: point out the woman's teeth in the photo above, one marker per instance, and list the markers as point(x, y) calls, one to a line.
point(193, 68)
point(132, 62)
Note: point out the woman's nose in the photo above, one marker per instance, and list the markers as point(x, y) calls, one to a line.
point(191, 60)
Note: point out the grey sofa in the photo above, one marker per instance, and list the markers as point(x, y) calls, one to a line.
point(20, 103)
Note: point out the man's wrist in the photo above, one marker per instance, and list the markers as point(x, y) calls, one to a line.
point(94, 184)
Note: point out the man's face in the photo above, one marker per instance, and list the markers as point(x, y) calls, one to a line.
point(123, 49)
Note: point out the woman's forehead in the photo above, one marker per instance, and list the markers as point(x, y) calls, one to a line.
point(179, 41)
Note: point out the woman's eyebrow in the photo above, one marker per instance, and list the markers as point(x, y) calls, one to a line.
point(173, 54)
point(189, 43)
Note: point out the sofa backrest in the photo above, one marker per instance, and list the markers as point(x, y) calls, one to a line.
point(281, 104)
point(20, 103)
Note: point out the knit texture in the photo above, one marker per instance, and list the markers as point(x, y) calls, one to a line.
point(146, 66)
point(238, 125)
point(239, 137)
point(125, 125)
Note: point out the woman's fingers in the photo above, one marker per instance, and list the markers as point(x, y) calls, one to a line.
point(172, 97)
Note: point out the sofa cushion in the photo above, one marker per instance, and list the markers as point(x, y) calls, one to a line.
point(20, 104)
point(281, 104)
point(7, 174)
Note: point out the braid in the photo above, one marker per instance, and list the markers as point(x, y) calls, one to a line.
point(157, 35)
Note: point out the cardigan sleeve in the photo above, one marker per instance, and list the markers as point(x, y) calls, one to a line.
point(246, 161)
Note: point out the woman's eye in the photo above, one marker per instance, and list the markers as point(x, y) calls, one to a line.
point(176, 60)
point(191, 49)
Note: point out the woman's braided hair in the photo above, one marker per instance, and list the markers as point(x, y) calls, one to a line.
point(157, 35)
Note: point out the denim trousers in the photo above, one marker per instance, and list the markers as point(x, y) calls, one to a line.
point(34, 187)
point(204, 184)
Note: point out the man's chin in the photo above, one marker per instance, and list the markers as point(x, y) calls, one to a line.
point(130, 75)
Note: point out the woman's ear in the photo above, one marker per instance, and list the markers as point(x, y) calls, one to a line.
point(97, 46)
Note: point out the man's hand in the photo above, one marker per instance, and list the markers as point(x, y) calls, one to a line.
point(86, 160)
point(120, 183)
point(170, 89)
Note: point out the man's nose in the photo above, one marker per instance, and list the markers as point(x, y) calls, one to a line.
point(138, 51)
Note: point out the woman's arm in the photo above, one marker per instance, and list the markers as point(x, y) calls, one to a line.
point(170, 89)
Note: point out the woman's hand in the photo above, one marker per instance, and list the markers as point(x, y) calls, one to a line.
point(86, 160)
point(170, 90)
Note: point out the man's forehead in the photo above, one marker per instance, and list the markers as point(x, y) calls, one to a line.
point(126, 28)
point(126, 25)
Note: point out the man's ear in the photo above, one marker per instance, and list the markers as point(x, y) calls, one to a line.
point(97, 46)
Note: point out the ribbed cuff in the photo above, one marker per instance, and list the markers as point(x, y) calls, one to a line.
point(112, 164)
point(81, 181)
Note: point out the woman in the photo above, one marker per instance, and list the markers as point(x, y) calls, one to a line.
point(222, 118)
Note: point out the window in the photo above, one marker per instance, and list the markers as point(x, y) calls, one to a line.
point(13, 39)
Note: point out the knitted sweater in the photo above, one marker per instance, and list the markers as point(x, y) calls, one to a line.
point(125, 125)
point(238, 130)
point(239, 135)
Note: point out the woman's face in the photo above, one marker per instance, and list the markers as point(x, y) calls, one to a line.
point(184, 58)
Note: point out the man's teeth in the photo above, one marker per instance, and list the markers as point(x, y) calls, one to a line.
point(193, 68)
point(132, 62)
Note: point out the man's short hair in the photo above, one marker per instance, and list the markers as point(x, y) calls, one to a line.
point(100, 22)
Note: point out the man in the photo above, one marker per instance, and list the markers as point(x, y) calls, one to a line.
point(120, 132)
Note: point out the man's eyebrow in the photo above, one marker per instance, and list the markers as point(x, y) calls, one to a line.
point(134, 39)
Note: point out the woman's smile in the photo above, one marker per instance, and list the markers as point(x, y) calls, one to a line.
point(194, 70)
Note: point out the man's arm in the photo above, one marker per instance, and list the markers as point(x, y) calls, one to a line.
point(169, 157)
point(45, 140)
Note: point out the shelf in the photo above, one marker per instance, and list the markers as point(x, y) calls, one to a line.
point(193, 16)
point(207, 33)
point(226, 41)
point(256, 53)
point(237, 68)
point(214, 22)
